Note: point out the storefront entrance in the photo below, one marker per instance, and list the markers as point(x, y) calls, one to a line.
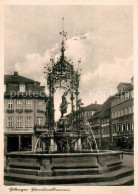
point(19, 143)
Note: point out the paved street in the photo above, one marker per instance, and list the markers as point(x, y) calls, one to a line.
point(129, 160)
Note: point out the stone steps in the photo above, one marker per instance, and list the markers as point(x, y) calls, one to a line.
point(123, 181)
point(105, 178)
point(64, 171)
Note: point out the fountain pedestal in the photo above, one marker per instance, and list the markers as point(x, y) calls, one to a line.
point(53, 146)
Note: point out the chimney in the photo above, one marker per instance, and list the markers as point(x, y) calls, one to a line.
point(96, 102)
point(15, 73)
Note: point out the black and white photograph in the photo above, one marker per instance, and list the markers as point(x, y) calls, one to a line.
point(68, 95)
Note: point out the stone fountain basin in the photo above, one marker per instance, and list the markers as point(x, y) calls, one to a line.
point(46, 163)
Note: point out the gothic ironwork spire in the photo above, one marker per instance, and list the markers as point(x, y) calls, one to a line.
point(64, 36)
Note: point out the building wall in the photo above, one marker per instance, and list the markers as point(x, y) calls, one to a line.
point(122, 120)
point(23, 137)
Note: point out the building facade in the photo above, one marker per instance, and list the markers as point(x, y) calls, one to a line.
point(84, 113)
point(24, 112)
point(113, 124)
point(95, 124)
point(122, 117)
point(101, 125)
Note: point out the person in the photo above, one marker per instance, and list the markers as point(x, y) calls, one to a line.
point(63, 105)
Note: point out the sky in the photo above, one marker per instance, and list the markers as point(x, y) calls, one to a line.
point(32, 36)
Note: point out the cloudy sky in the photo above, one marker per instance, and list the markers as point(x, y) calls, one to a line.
point(32, 36)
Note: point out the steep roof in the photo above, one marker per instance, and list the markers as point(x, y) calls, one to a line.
point(15, 78)
point(33, 89)
point(105, 110)
point(123, 83)
point(92, 107)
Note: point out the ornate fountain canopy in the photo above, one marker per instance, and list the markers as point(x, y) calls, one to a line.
point(62, 74)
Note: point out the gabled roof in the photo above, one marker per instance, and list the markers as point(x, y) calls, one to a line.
point(123, 83)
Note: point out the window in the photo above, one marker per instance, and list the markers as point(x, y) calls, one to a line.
point(9, 121)
point(108, 130)
point(130, 109)
point(119, 127)
point(131, 95)
point(126, 111)
point(127, 96)
point(112, 114)
point(19, 121)
point(122, 112)
point(115, 114)
point(114, 101)
point(114, 128)
point(99, 131)
point(22, 88)
point(124, 127)
point(4, 88)
point(10, 104)
point(40, 105)
point(28, 121)
point(28, 104)
point(128, 126)
point(40, 121)
point(119, 113)
point(132, 126)
point(19, 104)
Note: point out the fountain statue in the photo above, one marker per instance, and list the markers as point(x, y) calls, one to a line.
point(64, 104)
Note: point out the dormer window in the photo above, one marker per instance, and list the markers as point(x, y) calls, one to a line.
point(22, 88)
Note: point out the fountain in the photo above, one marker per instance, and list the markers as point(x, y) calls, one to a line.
point(64, 159)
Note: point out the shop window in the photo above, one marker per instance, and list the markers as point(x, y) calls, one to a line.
point(26, 142)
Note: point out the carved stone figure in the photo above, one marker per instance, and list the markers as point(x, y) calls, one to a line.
point(63, 105)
